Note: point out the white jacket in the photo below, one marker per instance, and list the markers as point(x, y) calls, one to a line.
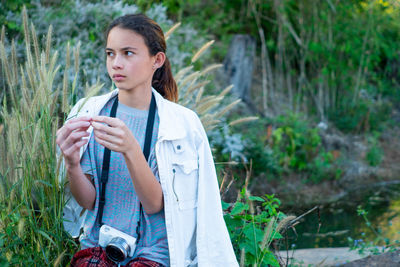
point(196, 231)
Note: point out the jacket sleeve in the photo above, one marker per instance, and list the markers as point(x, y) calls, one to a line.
point(214, 247)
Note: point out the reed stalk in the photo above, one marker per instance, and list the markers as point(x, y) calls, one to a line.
point(31, 196)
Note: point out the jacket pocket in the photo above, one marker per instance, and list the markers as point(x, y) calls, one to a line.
point(185, 171)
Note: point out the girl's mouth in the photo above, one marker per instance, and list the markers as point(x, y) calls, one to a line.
point(118, 77)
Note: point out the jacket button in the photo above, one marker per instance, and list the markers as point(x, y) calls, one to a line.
point(178, 147)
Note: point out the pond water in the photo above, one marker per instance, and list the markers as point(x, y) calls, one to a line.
point(333, 224)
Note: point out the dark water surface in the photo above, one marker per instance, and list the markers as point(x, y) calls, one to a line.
point(336, 222)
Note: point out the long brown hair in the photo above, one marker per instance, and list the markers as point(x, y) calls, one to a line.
point(153, 36)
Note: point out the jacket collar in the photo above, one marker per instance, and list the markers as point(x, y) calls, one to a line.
point(170, 127)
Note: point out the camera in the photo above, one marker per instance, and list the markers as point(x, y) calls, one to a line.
point(118, 245)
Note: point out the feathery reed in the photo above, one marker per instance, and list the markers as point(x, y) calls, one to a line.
point(201, 51)
point(209, 107)
point(170, 31)
point(31, 197)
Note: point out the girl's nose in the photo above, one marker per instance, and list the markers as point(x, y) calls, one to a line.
point(117, 62)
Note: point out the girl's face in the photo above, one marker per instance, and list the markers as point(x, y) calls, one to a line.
point(129, 62)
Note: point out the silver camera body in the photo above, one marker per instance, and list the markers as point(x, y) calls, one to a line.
point(117, 244)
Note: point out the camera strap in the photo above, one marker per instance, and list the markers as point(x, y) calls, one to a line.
point(107, 155)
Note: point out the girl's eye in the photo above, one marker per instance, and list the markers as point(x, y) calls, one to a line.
point(110, 54)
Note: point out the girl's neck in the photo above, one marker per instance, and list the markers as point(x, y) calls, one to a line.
point(138, 98)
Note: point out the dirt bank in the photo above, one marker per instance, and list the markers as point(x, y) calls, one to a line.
point(358, 177)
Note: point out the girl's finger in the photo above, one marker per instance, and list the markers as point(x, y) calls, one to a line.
point(113, 122)
point(83, 129)
point(69, 151)
point(106, 144)
point(73, 138)
point(69, 127)
point(108, 138)
point(75, 119)
point(104, 128)
point(103, 136)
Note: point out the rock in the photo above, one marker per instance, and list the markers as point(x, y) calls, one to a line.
point(388, 259)
point(319, 256)
point(342, 257)
point(238, 65)
point(334, 141)
point(356, 170)
point(322, 125)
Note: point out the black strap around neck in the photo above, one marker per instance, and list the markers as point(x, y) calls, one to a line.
point(107, 155)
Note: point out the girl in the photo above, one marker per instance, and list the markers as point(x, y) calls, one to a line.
point(141, 165)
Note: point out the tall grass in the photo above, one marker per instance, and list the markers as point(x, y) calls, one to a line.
point(31, 198)
point(34, 105)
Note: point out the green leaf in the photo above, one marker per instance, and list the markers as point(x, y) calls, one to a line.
point(276, 235)
point(92, 36)
point(9, 230)
point(12, 25)
point(232, 223)
point(44, 183)
point(254, 198)
point(225, 205)
point(253, 233)
point(47, 237)
point(4, 262)
point(239, 207)
point(270, 260)
point(248, 247)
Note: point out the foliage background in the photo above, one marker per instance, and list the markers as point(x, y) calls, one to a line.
point(324, 63)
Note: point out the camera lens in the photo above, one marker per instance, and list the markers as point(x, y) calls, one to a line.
point(117, 250)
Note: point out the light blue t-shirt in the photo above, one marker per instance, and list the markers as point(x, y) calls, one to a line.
point(121, 209)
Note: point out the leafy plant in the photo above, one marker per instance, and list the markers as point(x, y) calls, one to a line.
point(377, 246)
point(367, 115)
point(298, 147)
point(374, 154)
point(256, 140)
point(253, 225)
point(228, 146)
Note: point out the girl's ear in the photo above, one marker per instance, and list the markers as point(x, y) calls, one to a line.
point(159, 60)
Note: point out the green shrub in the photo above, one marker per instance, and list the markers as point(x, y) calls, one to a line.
point(377, 245)
point(322, 167)
point(374, 155)
point(288, 144)
point(364, 116)
point(253, 232)
point(299, 148)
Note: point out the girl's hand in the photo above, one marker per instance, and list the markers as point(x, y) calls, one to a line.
point(70, 139)
point(116, 136)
